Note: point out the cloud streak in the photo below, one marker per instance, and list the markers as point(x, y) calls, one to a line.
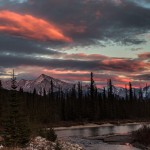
point(110, 64)
point(30, 27)
point(145, 56)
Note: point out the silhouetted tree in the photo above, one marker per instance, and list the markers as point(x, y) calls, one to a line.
point(92, 86)
point(0, 84)
point(110, 89)
point(130, 91)
point(140, 93)
point(126, 93)
point(16, 132)
point(52, 90)
point(80, 92)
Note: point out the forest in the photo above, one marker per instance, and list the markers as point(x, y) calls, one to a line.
point(76, 105)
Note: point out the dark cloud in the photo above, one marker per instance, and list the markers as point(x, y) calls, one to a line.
point(111, 64)
point(9, 44)
point(90, 21)
point(86, 22)
point(145, 77)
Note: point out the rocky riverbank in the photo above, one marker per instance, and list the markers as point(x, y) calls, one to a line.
point(40, 143)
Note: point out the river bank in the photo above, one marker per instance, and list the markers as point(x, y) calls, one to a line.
point(66, 124)
point(97, 137)
point(105, 136)
point(96, 125)
point(39, 143)
point(126, 139)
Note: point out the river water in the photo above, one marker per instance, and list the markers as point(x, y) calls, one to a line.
point(81, 135)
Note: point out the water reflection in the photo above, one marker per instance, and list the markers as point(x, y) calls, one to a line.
point(94, 132)
point(77, 134)
point(97, 131)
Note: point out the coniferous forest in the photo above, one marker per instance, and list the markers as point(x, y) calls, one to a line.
point(75, 105)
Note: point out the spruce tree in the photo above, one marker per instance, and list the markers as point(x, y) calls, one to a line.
point(110, 89)
point(140, 93)
point(34, 92)
point(146, 93)
point(130, 91)
point(104, 93)
point(92, 85)
point(126, 93)
point(52, 90)
point(80, 92)
point(0, 84)
point(16, 132)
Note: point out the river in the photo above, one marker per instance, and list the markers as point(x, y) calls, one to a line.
point(81, 136)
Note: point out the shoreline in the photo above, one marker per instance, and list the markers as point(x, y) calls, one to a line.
point(117, 139)
point(80, 125)
point(126, 139)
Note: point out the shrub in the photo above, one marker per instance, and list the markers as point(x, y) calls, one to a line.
point(49, 134)
point(142, 135)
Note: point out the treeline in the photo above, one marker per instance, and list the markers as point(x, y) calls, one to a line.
point(76, 105)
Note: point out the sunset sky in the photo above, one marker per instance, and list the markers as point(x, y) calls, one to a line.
point(67, 39)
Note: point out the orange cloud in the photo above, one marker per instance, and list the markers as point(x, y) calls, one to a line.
point(126, 64)
point(145, 55)
point(30, 27)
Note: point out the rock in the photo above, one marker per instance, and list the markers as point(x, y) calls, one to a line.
point(40, 143)
point(1, 146)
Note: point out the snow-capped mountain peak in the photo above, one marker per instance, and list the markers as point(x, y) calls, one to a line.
point(40, 83)
point(43, 82)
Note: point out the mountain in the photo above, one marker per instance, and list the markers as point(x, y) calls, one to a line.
point(44, 82)
point(122, 92)
point(146, 92)
point(41, 83)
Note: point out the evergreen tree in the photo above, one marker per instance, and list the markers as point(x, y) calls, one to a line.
point(0, 84)
point(34, 92)
point(146, 94)
point(130, 91)
point(104, 94)
point(52, 90)
point(80, 92)
point(16, 132)
point(21, 90)
point(140, 93)
point(110, 89)
point(44, 92)
point(126, 93)
point(134, 94)
point(92, 86)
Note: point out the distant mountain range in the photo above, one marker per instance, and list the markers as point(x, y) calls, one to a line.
point(40, 83)
point(44, 82)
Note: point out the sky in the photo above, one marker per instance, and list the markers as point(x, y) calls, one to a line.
point(68, 39)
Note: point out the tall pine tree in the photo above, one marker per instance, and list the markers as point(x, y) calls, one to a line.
point(130, 91)
point(16, 132)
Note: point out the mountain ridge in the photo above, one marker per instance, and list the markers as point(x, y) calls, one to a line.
point(43, 82)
